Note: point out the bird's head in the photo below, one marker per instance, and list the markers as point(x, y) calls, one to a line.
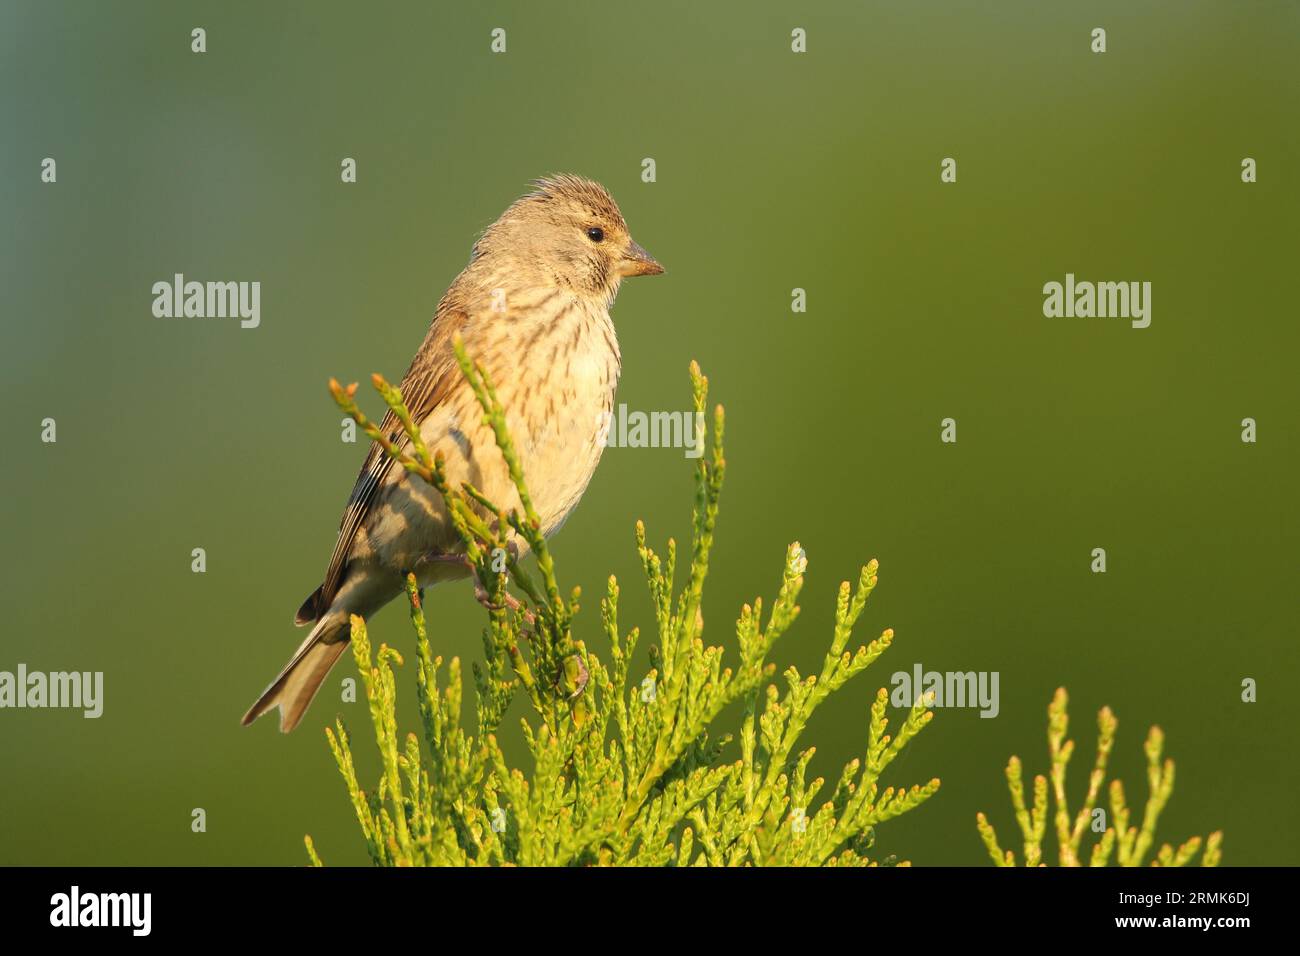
point(570, 230)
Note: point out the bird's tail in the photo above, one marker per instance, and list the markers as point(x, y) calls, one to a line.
point(292, 691)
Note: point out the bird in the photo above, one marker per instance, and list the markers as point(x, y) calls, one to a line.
point(532, 307)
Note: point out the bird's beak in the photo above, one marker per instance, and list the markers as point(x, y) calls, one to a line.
point(637, 262)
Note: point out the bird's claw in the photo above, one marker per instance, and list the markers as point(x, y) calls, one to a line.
point(508, 600)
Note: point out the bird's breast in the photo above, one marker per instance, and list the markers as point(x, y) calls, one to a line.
point(560, 405)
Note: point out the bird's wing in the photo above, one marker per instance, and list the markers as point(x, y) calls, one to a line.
point(432, 376)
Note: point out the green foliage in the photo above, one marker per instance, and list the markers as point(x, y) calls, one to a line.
point(1126, 844)
point(624, 771)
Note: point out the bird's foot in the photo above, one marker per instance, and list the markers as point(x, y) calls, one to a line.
point(440, 558)
point(508, 600)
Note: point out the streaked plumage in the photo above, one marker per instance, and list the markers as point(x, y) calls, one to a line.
point(533, 307)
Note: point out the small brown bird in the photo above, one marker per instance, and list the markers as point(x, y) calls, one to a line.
point(533, 307)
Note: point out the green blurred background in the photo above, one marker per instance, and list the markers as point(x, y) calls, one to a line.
point(775, 170)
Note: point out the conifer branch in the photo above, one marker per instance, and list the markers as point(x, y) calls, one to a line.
point(1127, 844)
point(624, 771)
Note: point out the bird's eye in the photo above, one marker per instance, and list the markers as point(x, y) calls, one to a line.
point(595, 234)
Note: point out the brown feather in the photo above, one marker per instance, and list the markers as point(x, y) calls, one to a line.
point(426, 383)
